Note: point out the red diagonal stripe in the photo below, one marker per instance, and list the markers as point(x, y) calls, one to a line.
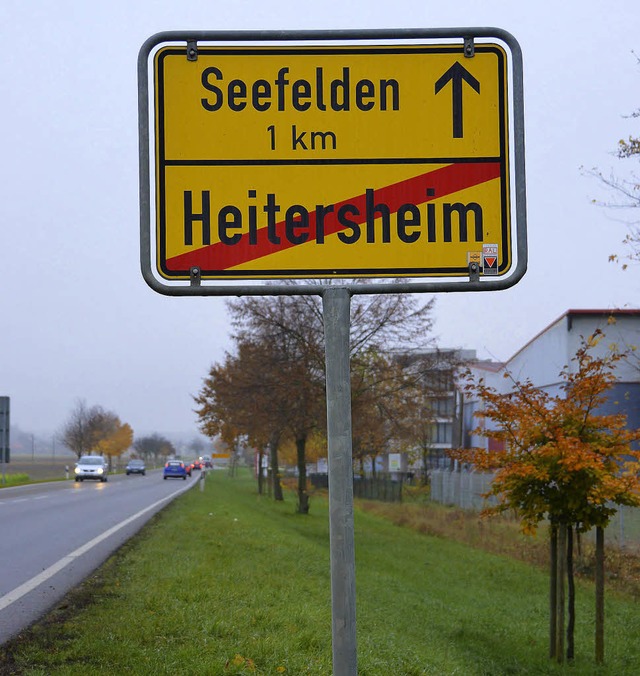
point(444, 181)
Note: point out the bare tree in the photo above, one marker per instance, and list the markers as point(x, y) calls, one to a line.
point(626, 191)
point(197, 446)
point(154, 446)
point(86, 427)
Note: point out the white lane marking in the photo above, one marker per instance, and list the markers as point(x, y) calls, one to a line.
point(12, 501)
point(30, 585)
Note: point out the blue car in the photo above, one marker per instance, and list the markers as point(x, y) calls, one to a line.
point(174, 469)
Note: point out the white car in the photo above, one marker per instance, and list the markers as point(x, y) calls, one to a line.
point(91, 467)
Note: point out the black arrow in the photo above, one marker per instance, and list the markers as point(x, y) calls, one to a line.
point(456, 74)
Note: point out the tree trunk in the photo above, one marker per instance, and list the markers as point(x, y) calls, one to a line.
point(553, 591)
point(561, 571)
point(303, 496)
point(599, 595)
point(275, 470)
point(571, 600)
point(424, 479)
point(260, 474)
point(233, 463)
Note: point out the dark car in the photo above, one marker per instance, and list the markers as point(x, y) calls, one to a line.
point(174, 469)
point(136, 466)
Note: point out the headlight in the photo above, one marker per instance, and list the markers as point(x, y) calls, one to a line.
point(77, 470)
point(100, 470)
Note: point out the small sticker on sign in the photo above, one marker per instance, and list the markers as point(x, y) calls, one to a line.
point(490, 259)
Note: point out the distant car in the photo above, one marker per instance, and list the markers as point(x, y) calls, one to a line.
point(188, 467)
point(196, 464)
point(91, 467)
point(174, 469)
point(136, 466)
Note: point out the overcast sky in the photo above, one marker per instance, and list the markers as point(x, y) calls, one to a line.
point(78, 321)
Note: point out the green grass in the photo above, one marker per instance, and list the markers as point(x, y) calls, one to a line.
point(20, 479)
point(227, 582)
point(38, 468)
point(14, 480)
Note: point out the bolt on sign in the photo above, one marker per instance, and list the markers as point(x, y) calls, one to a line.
point(331, 160)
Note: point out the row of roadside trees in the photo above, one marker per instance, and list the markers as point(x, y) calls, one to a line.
point(271, 388)
point(93, 429)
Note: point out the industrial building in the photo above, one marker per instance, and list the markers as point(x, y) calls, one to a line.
point(546, 355)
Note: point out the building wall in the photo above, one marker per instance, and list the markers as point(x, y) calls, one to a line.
point(492, 374)
point(543, 359)
point(623, 333)
point(624, 398)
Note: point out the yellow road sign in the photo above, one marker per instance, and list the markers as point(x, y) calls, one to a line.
point(321, 161)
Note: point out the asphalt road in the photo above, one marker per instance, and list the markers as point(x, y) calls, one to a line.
point(53, 535)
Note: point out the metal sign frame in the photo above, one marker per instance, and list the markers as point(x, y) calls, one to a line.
point(195, 286)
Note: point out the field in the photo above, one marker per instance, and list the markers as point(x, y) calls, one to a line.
point(40, 467)
point(231, 583)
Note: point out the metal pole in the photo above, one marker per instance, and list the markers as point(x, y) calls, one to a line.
point(336, 304)
point(3, 446)
point(4, 432)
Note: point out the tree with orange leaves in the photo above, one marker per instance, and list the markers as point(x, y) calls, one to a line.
point(563, 462)
point(118, 437)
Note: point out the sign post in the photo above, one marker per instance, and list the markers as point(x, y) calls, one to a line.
point(381, 154)
point(336, 304)
point(5, 452)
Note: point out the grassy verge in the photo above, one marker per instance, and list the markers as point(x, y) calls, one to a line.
point(39, 468)
point(502, 535)
point(225, 582)
point(14, 480)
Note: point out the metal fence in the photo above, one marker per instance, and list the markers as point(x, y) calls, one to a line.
point(461, 489)
point(464, 489)
point(385, 488)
